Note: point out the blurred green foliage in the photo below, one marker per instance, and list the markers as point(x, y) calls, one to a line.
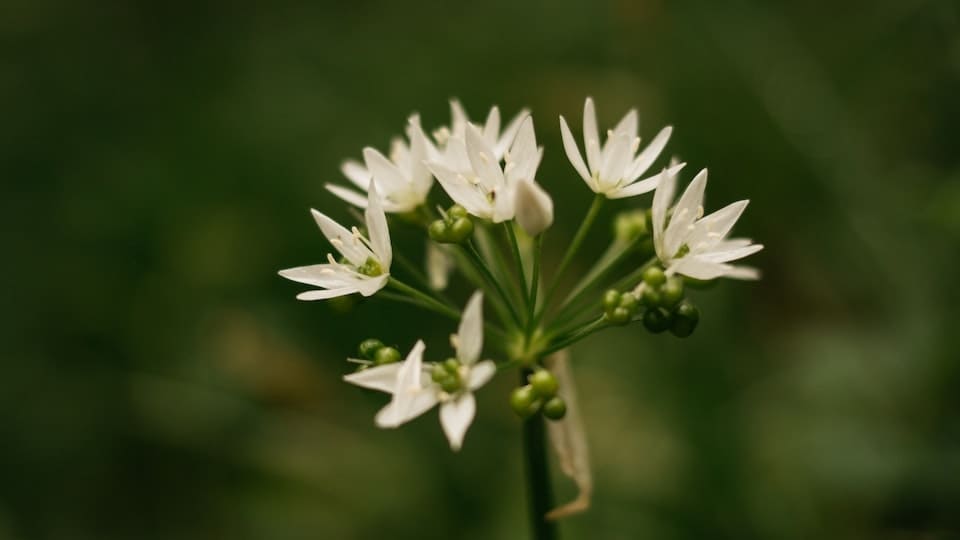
point(158, 380)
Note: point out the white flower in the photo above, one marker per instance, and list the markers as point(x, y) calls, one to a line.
point(439, 265)
point(498, 141)
point(403, 180)
point(533, 207)
point(697, 246)
point(367, 260)
point(614, 167)
point(414, 392)
point(472, 176)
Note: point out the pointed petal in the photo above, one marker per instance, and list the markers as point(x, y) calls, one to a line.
point(394, 414)
point(730, 254)
point(482, 159)
point(481, 373)
point(470, 331)
point(510, 133)
point(382, 378)
point(648, 155)
point(328, 276)
point(743, 272)
point(341, 239)
point(685, 212)
point(388, 177)
point(591, 135)
point(458, 117)
point(491, 128)
point(616, 156)
point(356, 173)
point(524, 154)
point(368, 286)
point(461, 191)
point(646, 185)
point(377, 228)
point(712, 229)
point(697, 268)
point(628, 124)
point(661, 204)
point(326, 294)
point(348, 195)
point(456, 416)
point(573, 153)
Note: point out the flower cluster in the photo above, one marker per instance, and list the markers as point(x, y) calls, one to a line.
point(489, 176)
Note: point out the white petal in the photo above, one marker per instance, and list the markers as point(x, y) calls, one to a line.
point(524, 154)
point(491, 128)
point(510, 133)
point(470, 331)
point(661, 204)
point(461, 191)
point(616, 156)
point(388, 177)
point(348, 195)
point(697, 268)
point(420, 150)
point(356, 173)
point(685, 212)
point(628, 124)
point(320, 275)
point(456, 416)
point(377, 228)
point(533, 207)
point(650, 154)
point(394, 414)
point(482, 159)
point(730, 254)
point(481, 373)
point(382, 378)
point(573, 153)
point(591, 135)
point(711, 230)
point(458, 117)
point(743, 272)
point(439, 264)
point(326, 294)
point(368, 286)
point(342, 240)
point(646, 185)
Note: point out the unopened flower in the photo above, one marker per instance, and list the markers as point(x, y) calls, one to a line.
point(439, 264)
point(365, 267)
point(697, 246)
point(613, 168)
point(498, 140)
point(533, 207)
point(472, 175)
point(402, 180)
point(417, 388)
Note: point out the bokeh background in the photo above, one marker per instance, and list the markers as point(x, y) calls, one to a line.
point(160, 381)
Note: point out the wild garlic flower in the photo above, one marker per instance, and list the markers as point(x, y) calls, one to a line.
point(403, 180)
point(695, 245)
point(498, 140)
point(472, 175)
point(417, 388)
point(365, 267)
point(613, 168)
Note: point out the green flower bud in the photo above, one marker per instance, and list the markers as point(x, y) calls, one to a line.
point(656, 320)
point(629, 225)
point(460, 229)
point(611, 299)
point(439, 231)
point(654, 276)
point(544, 384)
point(450, 384)
point(369, 347)
point(672, 291)
point(619, 316)
point(555, 408)
point(452, 365)
point(524, 401)
point(438, 373)
point(685, 319)
point(651, 297)
point(628, 301)
point(386, 355)
point(456, 212)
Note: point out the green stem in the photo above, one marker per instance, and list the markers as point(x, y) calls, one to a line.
point(494, 334)
point(420, 278)
point(563, 342)
point(512, 237)
point(572, 251)
point(427, 300)
point(534, 284)
point(540, 491)
point(477, 260)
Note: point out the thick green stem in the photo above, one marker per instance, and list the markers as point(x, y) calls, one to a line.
point(572, 250)
point(540, 491)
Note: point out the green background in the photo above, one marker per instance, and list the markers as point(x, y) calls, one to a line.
point(160, 381)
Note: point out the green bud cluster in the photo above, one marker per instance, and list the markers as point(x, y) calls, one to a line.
point(447, 375)
point(539, 395)
point(455, 227)
point(619, 308)
point(375, 351)
point(664, 305)
point(630, 225)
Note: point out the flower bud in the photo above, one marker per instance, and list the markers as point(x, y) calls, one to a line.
point(386, 355)
point(654, 276)
point(555, 408)
point(619, 316)
point(685, 319)
point(656, 320)
point(611, 299)
point(533, 208)
point(438, 231)
point(651, 297)
point(629, 225)
point(369, 347)
point(456, 212)
point(544, 384)
point(672, 291)
point(524, 401)
point(460, 229)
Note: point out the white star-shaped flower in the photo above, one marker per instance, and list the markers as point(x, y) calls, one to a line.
point(414, 392)
point(366, 266)
point(498, 140)
point(402, 180)
point(697, 246)
point(472, 176)
point(615, 166)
